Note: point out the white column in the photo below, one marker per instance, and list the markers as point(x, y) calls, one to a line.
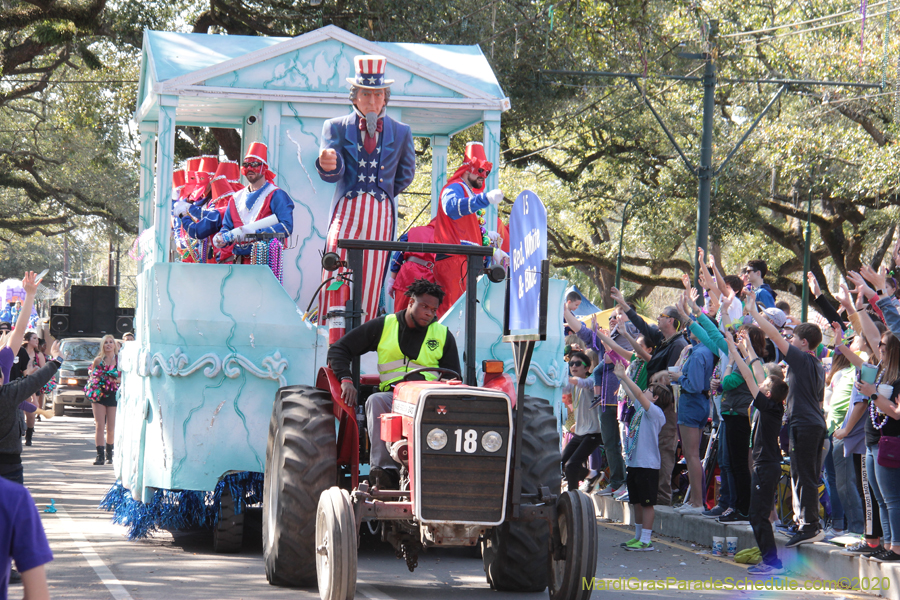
point(491, 142)
point(439, 145)
point(271, 129)
point(148, 158)
point(165, 156)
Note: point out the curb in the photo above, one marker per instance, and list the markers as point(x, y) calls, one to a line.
point(819, 561)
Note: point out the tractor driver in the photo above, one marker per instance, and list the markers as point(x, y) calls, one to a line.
point(405, 341)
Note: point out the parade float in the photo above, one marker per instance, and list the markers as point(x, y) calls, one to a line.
point(215, 342)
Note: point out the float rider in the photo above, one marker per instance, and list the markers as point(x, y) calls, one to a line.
point(405, 341)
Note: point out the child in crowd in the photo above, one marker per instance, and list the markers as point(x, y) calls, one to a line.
point(806, 380)
point(642, 458)
point(586, 427)
point(768, 400)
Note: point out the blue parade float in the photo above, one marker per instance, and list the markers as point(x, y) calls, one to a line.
point(214, 342)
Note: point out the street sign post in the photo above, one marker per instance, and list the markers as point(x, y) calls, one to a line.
point(526, 302)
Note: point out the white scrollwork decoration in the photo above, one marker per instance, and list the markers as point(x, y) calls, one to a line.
point(177, 365)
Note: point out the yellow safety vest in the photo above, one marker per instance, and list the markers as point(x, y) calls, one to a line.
point(393, 365)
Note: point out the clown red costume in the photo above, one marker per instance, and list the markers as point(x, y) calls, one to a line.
point(460, 220)
point(372, 159)
point(260, 207)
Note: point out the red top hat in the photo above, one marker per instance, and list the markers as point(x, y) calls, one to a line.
point(228, 169)
point(193, 164)
point(209, 164)
point(259, 151)
point(370, 72)
point(178, 178)
point(475, 160)
point(221, 188)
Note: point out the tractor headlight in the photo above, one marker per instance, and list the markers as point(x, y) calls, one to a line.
point(491, 441)
point(436, 439)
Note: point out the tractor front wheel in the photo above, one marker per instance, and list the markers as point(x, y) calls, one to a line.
point(336, 546)
point(574, 557)
point(228, 534)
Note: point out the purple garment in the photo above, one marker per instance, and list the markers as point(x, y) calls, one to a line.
point(7, 356)
point(22, 536)
point(855, 442)
point(606, 379)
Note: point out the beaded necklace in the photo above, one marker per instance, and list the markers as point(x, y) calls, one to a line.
point(485, 240)
point(874, 412)
point(633, 427)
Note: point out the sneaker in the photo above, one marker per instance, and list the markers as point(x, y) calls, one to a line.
point(623, 497)
point(716, 511)
point(609, 490)
point(640, 547)
point(589, 481)
point(788, 531)
point(726, 512)
point(14, 576)
point(806, 537)
point(860, 548)
point(687, 509)
point(876, 552)
point(734, 517)
point(629, 542)
point(764, 570)
point(887, 556)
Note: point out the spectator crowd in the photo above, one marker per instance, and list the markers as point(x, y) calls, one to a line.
point(727, 403)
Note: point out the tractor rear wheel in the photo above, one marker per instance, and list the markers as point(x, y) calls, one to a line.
point(516, 553)
point(301, 463)
point(575, 545)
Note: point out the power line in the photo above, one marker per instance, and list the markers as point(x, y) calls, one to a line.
point(781, 35)
point(798, 23)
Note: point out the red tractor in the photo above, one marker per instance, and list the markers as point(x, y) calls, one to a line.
point(480, 468)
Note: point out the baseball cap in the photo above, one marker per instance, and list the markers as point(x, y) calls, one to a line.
point(777, 316)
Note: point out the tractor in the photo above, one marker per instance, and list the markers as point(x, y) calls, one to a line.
point(480, 469)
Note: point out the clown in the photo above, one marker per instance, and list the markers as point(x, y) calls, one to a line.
point(372, 159)
point(460, 220)
point(261, 207)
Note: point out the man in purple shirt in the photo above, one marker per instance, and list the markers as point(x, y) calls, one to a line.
point(22, 538)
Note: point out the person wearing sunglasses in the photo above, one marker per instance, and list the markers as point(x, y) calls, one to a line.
point(371, 158)
point(261, 207)
point(460, 221)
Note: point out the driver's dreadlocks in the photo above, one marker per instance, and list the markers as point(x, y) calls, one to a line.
point(421, 287)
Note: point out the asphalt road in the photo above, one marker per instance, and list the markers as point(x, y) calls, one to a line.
point(94, 559)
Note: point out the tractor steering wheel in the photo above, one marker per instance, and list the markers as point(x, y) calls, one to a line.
point(442, 371)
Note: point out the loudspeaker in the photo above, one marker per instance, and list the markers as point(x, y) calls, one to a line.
point(59, 320)
point(93, 310)
point(125, 320)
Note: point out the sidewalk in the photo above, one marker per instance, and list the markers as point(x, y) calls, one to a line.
point(819, 561)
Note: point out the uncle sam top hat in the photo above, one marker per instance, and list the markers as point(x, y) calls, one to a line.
point(370, 72)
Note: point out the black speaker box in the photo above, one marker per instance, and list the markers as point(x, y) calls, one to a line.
point(124, 320)
point(59, 320)
point(93, 310)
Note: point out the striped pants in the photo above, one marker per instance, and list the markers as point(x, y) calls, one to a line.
point(358, 218)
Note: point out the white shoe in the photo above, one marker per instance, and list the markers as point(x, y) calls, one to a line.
point(589, 482)
point(609, 490)
point(687, 509)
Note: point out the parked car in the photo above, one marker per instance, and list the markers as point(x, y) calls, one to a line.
point(73, 375)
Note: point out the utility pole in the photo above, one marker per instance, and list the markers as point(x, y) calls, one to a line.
point(706, 172)
point(65, 277)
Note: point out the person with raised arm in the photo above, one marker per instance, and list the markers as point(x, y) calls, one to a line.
point(667, 341)
point(642, 455)
point(768, 400)
point(805, 418)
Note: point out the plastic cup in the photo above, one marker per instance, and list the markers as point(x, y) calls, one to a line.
point(731, 544)
point(718, 547)
point(868, 373)
point(885, 390)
